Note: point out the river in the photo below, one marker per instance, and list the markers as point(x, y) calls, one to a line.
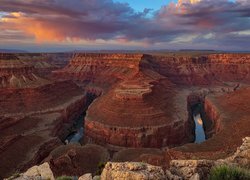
point(199, 130)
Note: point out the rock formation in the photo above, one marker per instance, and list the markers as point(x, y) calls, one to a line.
point(143, 101)
point(34, 113)
point(16, 74)
point(74, 159)
point(178, 170)
point(42, 171)
point(142, 96)
point(138, 112)
point(100, 69)
point(136, 171)
point(203, 70)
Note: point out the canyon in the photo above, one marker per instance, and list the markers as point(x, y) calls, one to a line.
point(137, 107)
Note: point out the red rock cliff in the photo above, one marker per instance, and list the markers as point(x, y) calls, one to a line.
point(204, 70)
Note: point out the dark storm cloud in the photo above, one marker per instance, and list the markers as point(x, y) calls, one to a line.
point(59, 20)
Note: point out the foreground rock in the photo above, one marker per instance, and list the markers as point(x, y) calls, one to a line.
point(74, 159)
point(129, 171)
point(42, 172)
point(179, 169)
point(188, 169)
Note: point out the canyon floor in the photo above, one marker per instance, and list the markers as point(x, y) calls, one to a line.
point(132, 107)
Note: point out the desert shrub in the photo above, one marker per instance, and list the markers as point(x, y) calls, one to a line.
point(229, 173)
point(65, 178)
point(100, 168)
point(15, 175)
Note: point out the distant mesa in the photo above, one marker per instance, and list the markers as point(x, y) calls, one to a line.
point(12, 51)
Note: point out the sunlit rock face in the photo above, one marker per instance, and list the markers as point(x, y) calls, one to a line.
point(138, 112)
point(101, 69)
point(142, 102)
point(204, 70)
point(16, 74)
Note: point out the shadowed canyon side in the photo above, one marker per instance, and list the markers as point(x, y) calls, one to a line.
point(33, 116)
point(143, 108)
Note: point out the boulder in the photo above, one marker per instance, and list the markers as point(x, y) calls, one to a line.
point(41, 172)
point(132, 171)
point(86, 177)
point(188, 168)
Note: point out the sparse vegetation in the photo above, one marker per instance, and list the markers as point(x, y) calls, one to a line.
point(15, 175)
point(229, 173)
point(65, 178)
point(100, 167)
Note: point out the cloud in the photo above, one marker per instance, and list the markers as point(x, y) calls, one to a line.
point(188, 22)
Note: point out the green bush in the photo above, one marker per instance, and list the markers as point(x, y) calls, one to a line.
point(100, 168)
point(15, 175)
point(229, 173)
point(65, 178)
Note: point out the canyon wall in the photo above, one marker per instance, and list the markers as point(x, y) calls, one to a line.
point(143, 101)
point(137, 113)
point(100, 69)
point(212, 120)
point(203, 70)
point(16, 74)
point(137, 86)
point(34, 113)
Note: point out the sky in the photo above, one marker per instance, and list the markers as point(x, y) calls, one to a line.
point(63, 25)
point(140, 5)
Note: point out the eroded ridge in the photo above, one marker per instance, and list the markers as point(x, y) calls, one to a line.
point(141, 101)
point(100, 68)
point(14, 73)
point(34, 112)
point(210, 69)
point(138, 112)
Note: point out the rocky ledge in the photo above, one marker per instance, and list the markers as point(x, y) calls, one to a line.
point(179, 169)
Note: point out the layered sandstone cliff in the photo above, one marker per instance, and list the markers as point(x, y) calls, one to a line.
point(203, 70)
point(33, 113)
point(100, 69)
point(16, 74)
point(33, 120)
point(138, 112)
point(144, 101)
point(142, 97)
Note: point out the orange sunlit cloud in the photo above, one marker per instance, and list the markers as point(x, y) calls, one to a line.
point(187, 21)
point(40, 30)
